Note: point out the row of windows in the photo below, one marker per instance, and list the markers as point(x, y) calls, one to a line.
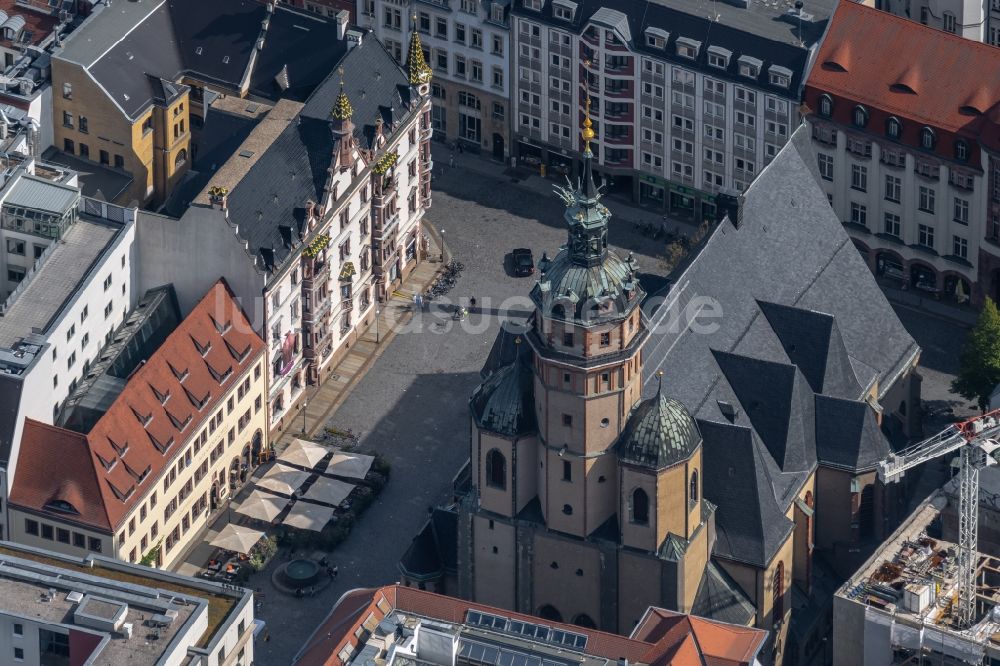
point(69, 146)
point(925, 232)
point(894, 128)
point(61, 535)
point(893, 187)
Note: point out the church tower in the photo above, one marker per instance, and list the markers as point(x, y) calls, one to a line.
point(586, 335)
point(585, 500)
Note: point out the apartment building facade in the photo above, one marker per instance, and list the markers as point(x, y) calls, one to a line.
point(467, 45)
point(978, 20)
point(68, 263)
point(684, 105)
point(914, 177)
point(311, 252)
point(178, 435)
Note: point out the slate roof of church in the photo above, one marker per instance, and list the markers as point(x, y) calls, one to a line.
point(802, 322)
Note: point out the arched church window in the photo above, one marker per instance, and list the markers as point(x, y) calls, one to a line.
point(693, 490)
point(640, 506)
point(496, 470)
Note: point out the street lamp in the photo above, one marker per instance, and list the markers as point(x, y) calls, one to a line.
point(305, 406)
point(442, 246)
point(377, 313)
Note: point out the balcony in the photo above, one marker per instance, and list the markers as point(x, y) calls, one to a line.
point(382, 231)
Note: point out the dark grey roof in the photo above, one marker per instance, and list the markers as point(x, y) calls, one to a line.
point(778, 403)
point(758, 31)
point(167, 43)
point(740, 479)
point(505, 350)
point(847, 434)
point(813, 342)
point(660, 432)
point(306, 47)
point(504, 404)
point(268, 203)
point(789, 252)
point(96, 180)
point(376, 86)
point(214, 42)
point(434, 551)
point(720, 598)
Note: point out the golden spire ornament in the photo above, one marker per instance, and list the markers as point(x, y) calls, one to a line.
point(418, 69)
point(342, 109)
point(588, 128)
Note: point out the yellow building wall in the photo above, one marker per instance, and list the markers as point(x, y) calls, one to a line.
point(148, 155)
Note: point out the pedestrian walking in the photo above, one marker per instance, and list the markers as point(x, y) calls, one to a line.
point(418, 300)
point(451, 161)
point(336, 571)
point(460, 149)
point(329, 572)
point(472, 302)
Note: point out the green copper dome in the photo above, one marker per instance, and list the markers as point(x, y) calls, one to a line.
point(659, 433)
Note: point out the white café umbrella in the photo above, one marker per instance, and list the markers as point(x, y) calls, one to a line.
point(262, 506)
point(328, 491)
point(350, 465)
point(283, 479)
point(308, 516)
point(303, 453)
point(237, 538)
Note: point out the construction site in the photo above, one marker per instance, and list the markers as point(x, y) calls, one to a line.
point(901, 607)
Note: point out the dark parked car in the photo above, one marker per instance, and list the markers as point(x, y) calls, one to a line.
point(523, 262)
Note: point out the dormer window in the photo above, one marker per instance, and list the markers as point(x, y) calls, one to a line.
point(779, 76)
point(719, 57)
point(927, 138)
point(893, 128)
point(688, 48)
point(825, 106)
point(750, 67)
point(961, 150)
point(533, 5)
point(563, 10)
point(860, 116)
point(656, 38)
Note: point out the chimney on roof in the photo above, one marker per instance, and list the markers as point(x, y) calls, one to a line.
point(353, 38)
point(729, 205)
point(343, 16)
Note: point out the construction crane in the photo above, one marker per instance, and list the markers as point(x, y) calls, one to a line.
point(974, 439)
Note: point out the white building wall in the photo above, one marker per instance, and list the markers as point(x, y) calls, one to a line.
point(943, 221)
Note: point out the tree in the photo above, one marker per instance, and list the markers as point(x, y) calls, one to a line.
point(979, 363)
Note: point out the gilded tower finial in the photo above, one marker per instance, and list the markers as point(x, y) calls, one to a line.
point(588, 128)
point(419, 70)
point(342, 109)
point(659, 383)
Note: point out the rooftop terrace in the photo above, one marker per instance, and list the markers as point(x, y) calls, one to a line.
point(105, 587)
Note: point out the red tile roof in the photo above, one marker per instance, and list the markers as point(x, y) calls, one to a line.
point(717, 642)
point(166, 401)
point(35, 486)
point(662, 638)
point(928, 79)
